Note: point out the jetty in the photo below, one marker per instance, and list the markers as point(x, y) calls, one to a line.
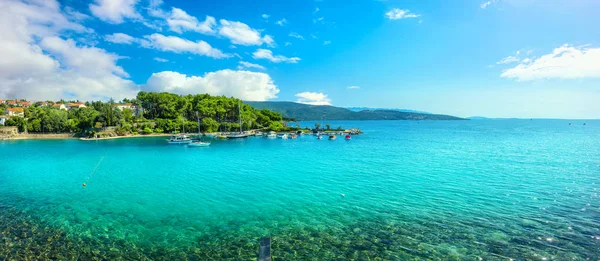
point(264, 254)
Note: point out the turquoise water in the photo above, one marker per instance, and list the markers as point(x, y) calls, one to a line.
point(461, 190)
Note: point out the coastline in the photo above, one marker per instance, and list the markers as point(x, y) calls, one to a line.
point(129, 136)
point(68, 136)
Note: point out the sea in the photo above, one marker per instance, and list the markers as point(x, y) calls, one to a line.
point(403, 190)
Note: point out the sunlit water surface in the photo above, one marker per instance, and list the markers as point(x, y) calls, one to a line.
point(434, 190)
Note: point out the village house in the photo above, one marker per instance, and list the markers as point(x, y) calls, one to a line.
point(24, 104)
point(11, 103)
point(15, 112)
point(3, 120)
point(59, 106)
point(122, 106)
point(1, 101)
point(75, 105)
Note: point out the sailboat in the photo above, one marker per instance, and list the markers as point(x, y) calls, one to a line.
point(199, 142)
point(241, 134)
point(181, 138)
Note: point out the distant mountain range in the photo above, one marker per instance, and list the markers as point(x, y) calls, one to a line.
point(303, 112)
point(385, 109)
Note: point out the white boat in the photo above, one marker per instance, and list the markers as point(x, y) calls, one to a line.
point(179, 139)
point(283, 136)
point(241, 134)
point(199, 142)
point(319, 137)
point(332, 137)
point(272, 135)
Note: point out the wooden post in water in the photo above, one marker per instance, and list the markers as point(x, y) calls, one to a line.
point(264, 253)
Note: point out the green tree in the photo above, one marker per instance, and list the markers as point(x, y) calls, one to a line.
point(328, 126)
point(317, 125)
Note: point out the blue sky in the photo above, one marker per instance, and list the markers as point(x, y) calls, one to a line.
point(496, 58)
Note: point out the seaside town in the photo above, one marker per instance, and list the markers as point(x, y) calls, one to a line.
point(153, 114)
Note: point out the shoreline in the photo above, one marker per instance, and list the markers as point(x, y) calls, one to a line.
point(129, 136)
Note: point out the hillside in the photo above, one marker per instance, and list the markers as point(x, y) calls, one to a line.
point(304, 112)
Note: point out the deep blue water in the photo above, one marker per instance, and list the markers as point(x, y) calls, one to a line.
point(463, 190)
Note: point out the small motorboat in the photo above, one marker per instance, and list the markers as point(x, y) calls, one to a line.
point(293, 136)
point(198, 144)
point(179, 139)
point(348, 137)
point(283, 136)
point(272, 135)
point(319, 137)
point(332, 137)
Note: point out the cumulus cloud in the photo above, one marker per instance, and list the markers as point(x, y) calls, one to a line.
point(287, 44)
point(241, 33)
point(160, 60)
point(353, 87)
point(244, 65)
point(38, 64)
point(115, 11)
point(179, 45)
point(296, 35)
point(179, 21)
point(326, 42)
point(565, 62)
point(268, 55)
point(313, 98)
point(398, 13)
point(250, 86)
point(119, 38)
point(265, 16)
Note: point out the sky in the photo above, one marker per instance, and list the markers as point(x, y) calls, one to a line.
point(496, 58)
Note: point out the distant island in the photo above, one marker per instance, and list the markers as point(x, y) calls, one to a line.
point(304, 112)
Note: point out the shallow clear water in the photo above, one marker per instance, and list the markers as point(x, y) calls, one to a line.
point(462, 190)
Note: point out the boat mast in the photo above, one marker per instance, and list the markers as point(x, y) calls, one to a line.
point(240, 115)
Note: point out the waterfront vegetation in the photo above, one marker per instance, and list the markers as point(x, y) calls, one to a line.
point(149, 113)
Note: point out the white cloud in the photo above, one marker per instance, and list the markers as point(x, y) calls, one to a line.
point(265, 16)
point(313, 98)
point(240, 33)
point(326, 42)
point(180, 45)
point(565, 62)
point(37, 64)
point(154, 9)
point(281, 22)
point(160, 60)
point(320, 19)
point(509, 59)
point(179, 21)
point(246, 85)
point(486, 4)
point(115, 11)
point(268, 55)
point(296, 35)
point(316, 10)
point(288, 43)
point(244, 65)
point(353, 87)
point(398, 13)
point(119, 38)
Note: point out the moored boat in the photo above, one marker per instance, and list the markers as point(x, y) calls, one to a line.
point(179, 139)
point(332, 137)
point(283, 136)
point(348, 137)
point(272, 135)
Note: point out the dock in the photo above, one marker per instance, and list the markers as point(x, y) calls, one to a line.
point(264, 254)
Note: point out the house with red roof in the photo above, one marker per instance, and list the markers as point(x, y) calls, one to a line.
point(15, 112)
